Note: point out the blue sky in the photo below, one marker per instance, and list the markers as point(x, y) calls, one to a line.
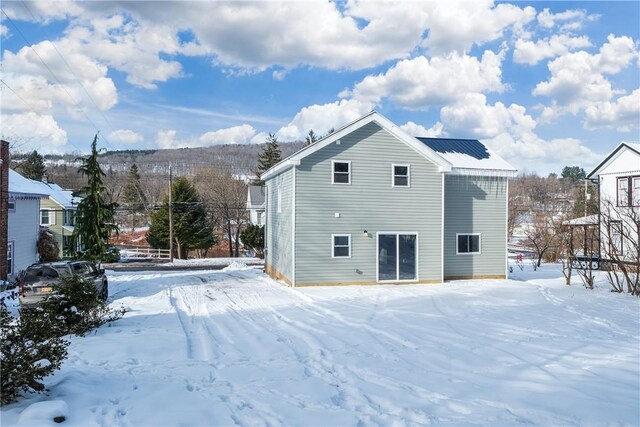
point(544, 84)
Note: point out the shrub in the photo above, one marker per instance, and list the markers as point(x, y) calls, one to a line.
point(31, 348)
point(77, 307)
point(253, 238)
point(48, 248)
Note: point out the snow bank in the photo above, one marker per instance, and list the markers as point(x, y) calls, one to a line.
point(235, 348)
point(43, 414)
point(215, 261)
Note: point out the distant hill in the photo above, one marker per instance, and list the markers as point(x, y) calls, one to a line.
point(241, 159)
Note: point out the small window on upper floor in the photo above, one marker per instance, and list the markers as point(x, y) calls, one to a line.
point(623, 191)
point(47, 217)
point(401, 177)
point(341, 173)
point(635, 191)
point(11, 206)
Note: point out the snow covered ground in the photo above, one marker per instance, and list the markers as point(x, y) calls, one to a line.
point(232, 347)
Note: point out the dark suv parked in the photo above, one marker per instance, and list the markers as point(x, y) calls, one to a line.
point(39, 280)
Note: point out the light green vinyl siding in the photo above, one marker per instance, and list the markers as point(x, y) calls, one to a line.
point(279, 254)
point(369, 203)
point(475, 205)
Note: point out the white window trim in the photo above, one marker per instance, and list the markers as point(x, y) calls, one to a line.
point(278, 200)
point(51, 216)
point(469, 253)
point(333, 163)
point(9, 208)
point(333, 236)
point(11, 247)
point(397, 234)
point(393, 175)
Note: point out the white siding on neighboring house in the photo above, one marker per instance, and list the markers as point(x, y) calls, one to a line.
point(23, 230)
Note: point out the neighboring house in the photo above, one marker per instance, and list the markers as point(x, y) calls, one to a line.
point(370, 204)
point(58, 214)
point(618, 178)
point(255, 204)
point(25, 196)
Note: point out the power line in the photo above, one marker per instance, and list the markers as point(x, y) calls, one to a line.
point(30, 45)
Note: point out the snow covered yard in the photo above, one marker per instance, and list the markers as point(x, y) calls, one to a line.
point(232, 347)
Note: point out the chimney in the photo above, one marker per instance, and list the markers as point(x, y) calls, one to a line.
point(4, 207)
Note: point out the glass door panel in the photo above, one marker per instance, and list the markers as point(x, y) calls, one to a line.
point(387, 257)
point(407, 259)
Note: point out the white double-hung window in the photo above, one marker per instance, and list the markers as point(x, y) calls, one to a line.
point(341, 172)
point(341, 246)
point(400, 175)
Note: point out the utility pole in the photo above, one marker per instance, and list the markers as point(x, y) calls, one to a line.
point(170, 215)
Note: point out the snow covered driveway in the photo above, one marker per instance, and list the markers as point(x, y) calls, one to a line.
point(235, 348)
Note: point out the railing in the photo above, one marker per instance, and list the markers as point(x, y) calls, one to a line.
point(131, 253)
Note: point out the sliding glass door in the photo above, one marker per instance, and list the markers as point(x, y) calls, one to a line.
point(397, 257)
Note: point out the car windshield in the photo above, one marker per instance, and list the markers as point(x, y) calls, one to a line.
point(44, 272)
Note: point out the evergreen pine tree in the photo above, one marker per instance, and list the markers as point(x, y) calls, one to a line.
point(33, 167)
point(94, 217)
point(132, 194)
point(269, 157)
point(311, 137)
point(191, 226)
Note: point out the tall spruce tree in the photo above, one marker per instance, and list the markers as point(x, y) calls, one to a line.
point(33, 167)
point(269, 157)
point(94, 217)
point(191, 226)
point(311, 137)
point(132, 194)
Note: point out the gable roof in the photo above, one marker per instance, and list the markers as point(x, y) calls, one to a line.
point(64, 198)
point(373, 116)
point(464, 154)
point(635, 147)
point(448, 159)
point(24, 188)
point(256, 196)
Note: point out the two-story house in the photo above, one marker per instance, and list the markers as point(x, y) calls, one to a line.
point(618, 179)
point(25, 196)
point(371, 204)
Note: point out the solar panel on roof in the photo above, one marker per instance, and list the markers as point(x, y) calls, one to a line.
point(470, 147)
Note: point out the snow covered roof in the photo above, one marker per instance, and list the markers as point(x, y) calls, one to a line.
point(584, 220)
point(24, 188)
point(62, 197)
point(466, 155)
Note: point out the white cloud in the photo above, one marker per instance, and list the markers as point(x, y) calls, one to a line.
point(530, 52)
point(569, 20)
point(623, 113)
point(577, 79)
point(510, 131)
point(125, 136)
point(415, 129)
point(234, 135)
point(243, 134)
point(419, 83)
point(4, 31)
point(35, 131)
point(322, 118)
point(458, 25)
point(39, 87)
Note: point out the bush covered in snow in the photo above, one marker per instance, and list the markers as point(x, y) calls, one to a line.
point(31, 348)
point(77, 307)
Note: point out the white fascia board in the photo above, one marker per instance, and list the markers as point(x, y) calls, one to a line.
point(610, 158)
point(373, 116)
point(506, 173)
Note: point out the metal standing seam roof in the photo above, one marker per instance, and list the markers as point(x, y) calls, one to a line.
point(466, 153)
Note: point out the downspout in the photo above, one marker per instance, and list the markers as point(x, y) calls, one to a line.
point(293, 228)
point(506, 229)
point(442, 231)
